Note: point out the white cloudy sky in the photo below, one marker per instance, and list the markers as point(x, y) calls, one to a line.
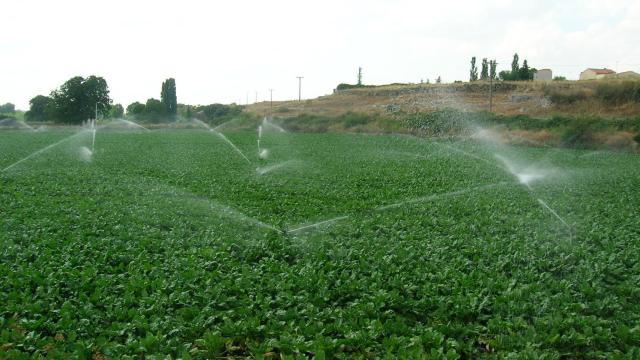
point(218, 51)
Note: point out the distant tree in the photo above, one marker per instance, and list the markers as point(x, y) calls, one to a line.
point(525, 73)
point(473, 73)
point(154, 110)
point(559, 78)
point(168, 97)
point(78, 98)
point(116, 111)
point(40, 109)
point(359, 76)
point(492, 69)
point(515, 67)
point(135, 109)
point(439, 80)
point(7, 108)
point(484, 73)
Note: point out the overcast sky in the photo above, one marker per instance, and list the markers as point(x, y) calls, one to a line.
point(218, 51)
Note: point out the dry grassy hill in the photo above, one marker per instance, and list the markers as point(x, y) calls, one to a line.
point(509, 98)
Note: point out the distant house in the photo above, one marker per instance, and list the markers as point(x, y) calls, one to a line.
point(624, 75)
point(592, 74)
point(543, 75)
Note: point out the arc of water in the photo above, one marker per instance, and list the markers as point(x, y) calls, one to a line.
point(266, 121)
point(439, 196)
point(470, 155)
point(259, 137)
point(314, 225)
point(93, 140)
point(128, 122)
point(402, 203)
point(43, 150)
point(221, 135)
point(270, 168)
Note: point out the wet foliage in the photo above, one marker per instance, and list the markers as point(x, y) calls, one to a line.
point(168, 243)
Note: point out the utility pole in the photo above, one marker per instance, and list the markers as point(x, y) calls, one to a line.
point(300, 87)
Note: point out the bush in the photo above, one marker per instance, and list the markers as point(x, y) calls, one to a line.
point(567, 97)
point(637, 138)
point(619, 92)
point(580, 132)
point(351, 119)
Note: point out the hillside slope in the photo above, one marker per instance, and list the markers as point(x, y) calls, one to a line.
point(509, 98)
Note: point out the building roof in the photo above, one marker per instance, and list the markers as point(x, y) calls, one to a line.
point(604, 71)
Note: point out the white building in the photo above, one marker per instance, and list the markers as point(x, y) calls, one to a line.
point(593, 74)
point(543, 75)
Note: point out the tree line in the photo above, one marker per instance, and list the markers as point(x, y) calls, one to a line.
point(488, 70)
point(80, 99)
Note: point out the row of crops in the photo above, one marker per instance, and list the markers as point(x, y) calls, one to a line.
point(168, 243)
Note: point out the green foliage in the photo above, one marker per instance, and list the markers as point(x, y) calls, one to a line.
point(518, 73)
point(515, 67)
point(116, 111)
point(579, 133)
point(344, 86)
point(564, 97)
point(76, 100)
point(473, 73)
point(168, 97)
point(636, 138)
point(7, 108)
point(139, 254)
point(618, 92)
point(135, 109)
point(215, 114)
point(493, 64)
point(484, 73)
point(526, 73)
point(351, 119)
point(154, 110)
point(559, 78)
point(40, 109)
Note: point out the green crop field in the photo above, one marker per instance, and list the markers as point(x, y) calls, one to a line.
point(170, 244)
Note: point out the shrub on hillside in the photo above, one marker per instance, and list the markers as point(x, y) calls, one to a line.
point(580, 132)
point(352, 119)
point(619, 92)
point(566, 97)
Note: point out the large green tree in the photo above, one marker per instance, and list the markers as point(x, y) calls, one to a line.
point(40, 109)
point(525, 72)
point(78, 98)
point(7, 108)
point(168, 97)
point(154, 110)
point(135, 109)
